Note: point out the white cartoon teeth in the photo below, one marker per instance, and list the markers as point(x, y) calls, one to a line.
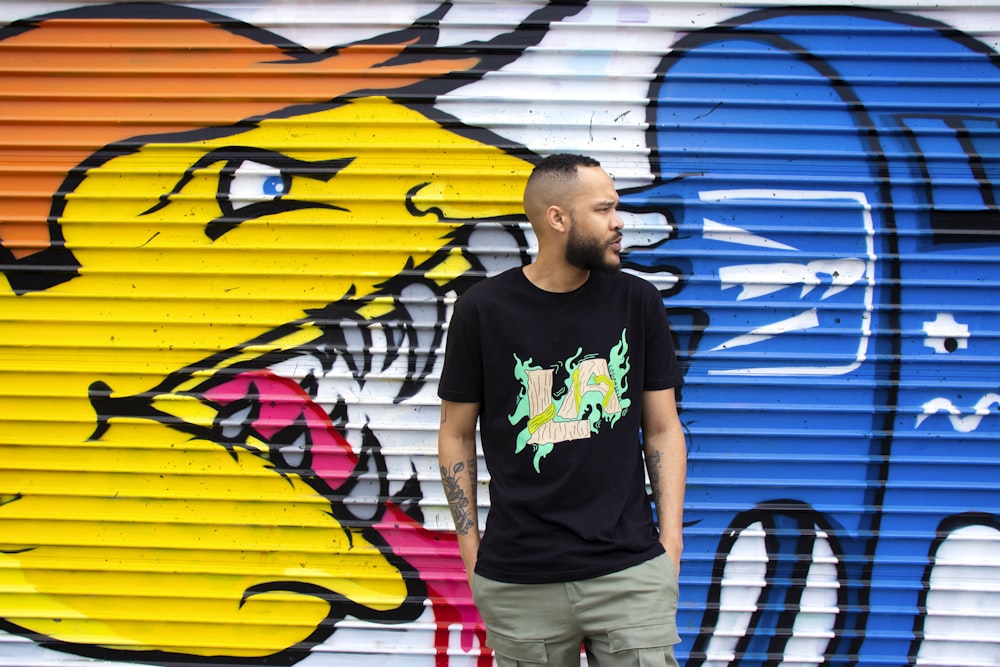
point(744, 578)
point(742, 588)
point(963, 592)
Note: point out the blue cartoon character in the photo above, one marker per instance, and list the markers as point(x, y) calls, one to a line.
point(828, 184)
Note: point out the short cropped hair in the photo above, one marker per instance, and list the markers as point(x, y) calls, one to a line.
point(550, 180)
point(562, 164)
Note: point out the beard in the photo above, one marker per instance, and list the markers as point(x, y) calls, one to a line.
point(589, 253)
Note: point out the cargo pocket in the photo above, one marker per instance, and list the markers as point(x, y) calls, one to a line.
point(648, 645)
point(512, 652)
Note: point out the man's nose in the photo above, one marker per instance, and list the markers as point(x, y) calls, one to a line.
point(617, 224)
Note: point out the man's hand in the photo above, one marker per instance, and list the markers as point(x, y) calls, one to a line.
point(674, 547)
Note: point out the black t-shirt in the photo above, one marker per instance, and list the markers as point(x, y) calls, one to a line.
point(560, 378)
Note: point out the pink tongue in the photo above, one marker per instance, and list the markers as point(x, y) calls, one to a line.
point(282, 404)
point(433, 554)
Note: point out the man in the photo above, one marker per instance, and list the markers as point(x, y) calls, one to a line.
point(562, 362)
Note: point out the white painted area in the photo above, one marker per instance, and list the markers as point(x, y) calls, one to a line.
point(856, 271)
point(962, 623)
point(963, 421)
point(813, 627)
point(943, 328)
point(743, 579)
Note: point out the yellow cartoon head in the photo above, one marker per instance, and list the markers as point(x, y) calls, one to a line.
point(130, 523)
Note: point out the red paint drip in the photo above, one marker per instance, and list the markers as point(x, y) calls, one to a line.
point(433, 555)
point(436, 557)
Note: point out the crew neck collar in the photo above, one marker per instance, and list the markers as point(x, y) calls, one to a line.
point(591, 278)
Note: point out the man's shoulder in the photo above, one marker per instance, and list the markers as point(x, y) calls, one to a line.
point(622, 280)
point(631, 279)
point(489, 286)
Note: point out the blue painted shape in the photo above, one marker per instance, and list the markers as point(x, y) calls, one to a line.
point(791, 148)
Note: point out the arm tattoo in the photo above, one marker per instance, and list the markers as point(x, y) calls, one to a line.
point(653, 464)
point(461, 506)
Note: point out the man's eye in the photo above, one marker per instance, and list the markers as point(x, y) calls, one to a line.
point(253, 182)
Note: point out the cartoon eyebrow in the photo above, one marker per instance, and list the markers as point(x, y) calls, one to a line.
point(273, 169)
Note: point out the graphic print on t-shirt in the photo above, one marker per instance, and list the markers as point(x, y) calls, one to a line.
point(592, 394)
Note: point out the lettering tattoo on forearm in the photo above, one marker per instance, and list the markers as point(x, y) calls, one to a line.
point(654, 461)
point(461, 505)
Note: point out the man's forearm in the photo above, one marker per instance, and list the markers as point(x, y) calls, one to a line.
point(459, 480)
point(459, 472)
point(666, 463)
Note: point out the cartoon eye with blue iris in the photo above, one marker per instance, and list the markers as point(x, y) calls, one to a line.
point(254, 183)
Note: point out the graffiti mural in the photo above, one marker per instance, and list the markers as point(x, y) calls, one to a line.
point(209, 491)
point(231, 238)
point(860, 194)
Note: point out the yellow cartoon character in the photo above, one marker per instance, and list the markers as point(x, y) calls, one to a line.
point(173, 268)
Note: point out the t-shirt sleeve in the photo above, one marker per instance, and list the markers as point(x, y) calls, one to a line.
point(462, 372)
point(662, 369)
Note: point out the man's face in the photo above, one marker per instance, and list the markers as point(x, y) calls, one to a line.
point(594, 239)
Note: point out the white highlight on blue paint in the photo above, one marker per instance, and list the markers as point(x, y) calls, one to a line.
point(716, 231)
point(800, 322)
point(765, 278)
point(943, 328)
point(961, 422)
point(762, 279)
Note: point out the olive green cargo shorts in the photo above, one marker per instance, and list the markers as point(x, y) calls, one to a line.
point(623, 618)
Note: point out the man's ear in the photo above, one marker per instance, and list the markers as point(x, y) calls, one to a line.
point(557, 218)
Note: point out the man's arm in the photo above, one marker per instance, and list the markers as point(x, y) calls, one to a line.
point(457, 458)
point(666, 462)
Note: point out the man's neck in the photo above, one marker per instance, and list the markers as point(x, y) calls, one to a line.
point(555, 278)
